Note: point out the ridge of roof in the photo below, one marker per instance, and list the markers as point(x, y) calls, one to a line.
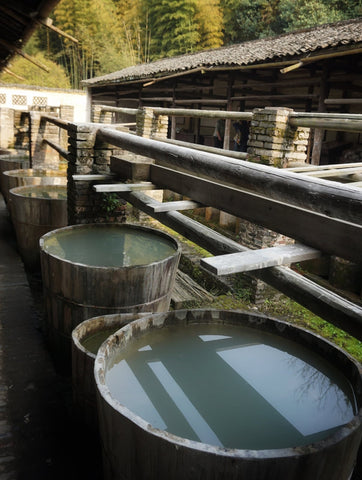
point(299, 42)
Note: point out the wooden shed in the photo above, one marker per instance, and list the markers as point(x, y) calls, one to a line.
point(311, 70)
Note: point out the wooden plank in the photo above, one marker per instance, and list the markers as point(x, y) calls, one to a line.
point(175, 206)
point(257, 259)
point(124, 187)
point(91, 178)
point(330, 235)
point(328, 305)
point(340, 200)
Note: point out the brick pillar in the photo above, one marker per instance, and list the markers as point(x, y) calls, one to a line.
point(150, 125)
point(43, 155)
point(273, 141)
point(100, 116)
point(7, 134)
point(85, 157)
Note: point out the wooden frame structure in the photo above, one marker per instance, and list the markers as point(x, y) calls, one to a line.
point(249, 191)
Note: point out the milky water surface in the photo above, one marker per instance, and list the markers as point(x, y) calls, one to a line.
point(231, 386)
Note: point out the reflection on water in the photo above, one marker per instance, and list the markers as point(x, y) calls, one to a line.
point(48, 193)
point(231, 386)
point(109, 247)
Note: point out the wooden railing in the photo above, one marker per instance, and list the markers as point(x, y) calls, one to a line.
point(324, 217)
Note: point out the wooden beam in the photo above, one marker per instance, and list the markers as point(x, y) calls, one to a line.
point(339, 200)
point(321, 301)
point(48, 22)
point(343, 101)
point(9, 72)
point(62, 152)
point(174, 206)
point(33, 60)
point(124, 187)
point(205, 148)
point(335, 172)
point(332, 236)
point(257, 259)
point(317, 168)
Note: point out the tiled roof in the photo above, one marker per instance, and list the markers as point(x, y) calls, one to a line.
point(296, 45)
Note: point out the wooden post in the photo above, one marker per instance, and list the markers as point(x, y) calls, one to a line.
point(319, 132)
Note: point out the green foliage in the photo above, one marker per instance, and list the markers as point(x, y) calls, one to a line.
point(251, 19)
point(30, 74)
point(170, 27)
point(102, 44)
point(110, 203)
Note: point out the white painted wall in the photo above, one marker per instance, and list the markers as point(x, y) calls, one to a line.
point(21, 97)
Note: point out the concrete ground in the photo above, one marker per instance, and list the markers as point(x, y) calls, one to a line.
point(39, 437)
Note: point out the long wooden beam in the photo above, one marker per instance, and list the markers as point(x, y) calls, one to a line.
point(323, 196)
point(204, 148)
point(328, 305)
point(332, 236)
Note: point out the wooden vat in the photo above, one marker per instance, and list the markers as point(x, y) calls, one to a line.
point(30, 176)
point(83, 357)
point(36, 210)
point(133, 448)
point(11, 162)
point(76, 291)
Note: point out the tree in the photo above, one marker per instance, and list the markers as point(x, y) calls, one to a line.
point(170, 26)
point(209, 21)
point(30, 74)
point(102, 44)
point(296, 14)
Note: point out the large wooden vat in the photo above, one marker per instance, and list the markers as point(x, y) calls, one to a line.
point(135, 449)
point(36, 210)
point(31, 176)
point(76, 291)
point(11, 162)
point(83, 357)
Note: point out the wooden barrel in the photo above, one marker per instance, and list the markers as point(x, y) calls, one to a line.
point(11, 162)
point(76, 291)
point(173, 383)
point(36, 210)
point(85, 339)
point(31, 176)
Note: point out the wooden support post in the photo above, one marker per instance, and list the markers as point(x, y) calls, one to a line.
point(318, 132)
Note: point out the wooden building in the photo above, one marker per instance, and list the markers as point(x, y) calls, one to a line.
point(312, 70)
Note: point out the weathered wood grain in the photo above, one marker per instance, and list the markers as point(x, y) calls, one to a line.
point(257, 259)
